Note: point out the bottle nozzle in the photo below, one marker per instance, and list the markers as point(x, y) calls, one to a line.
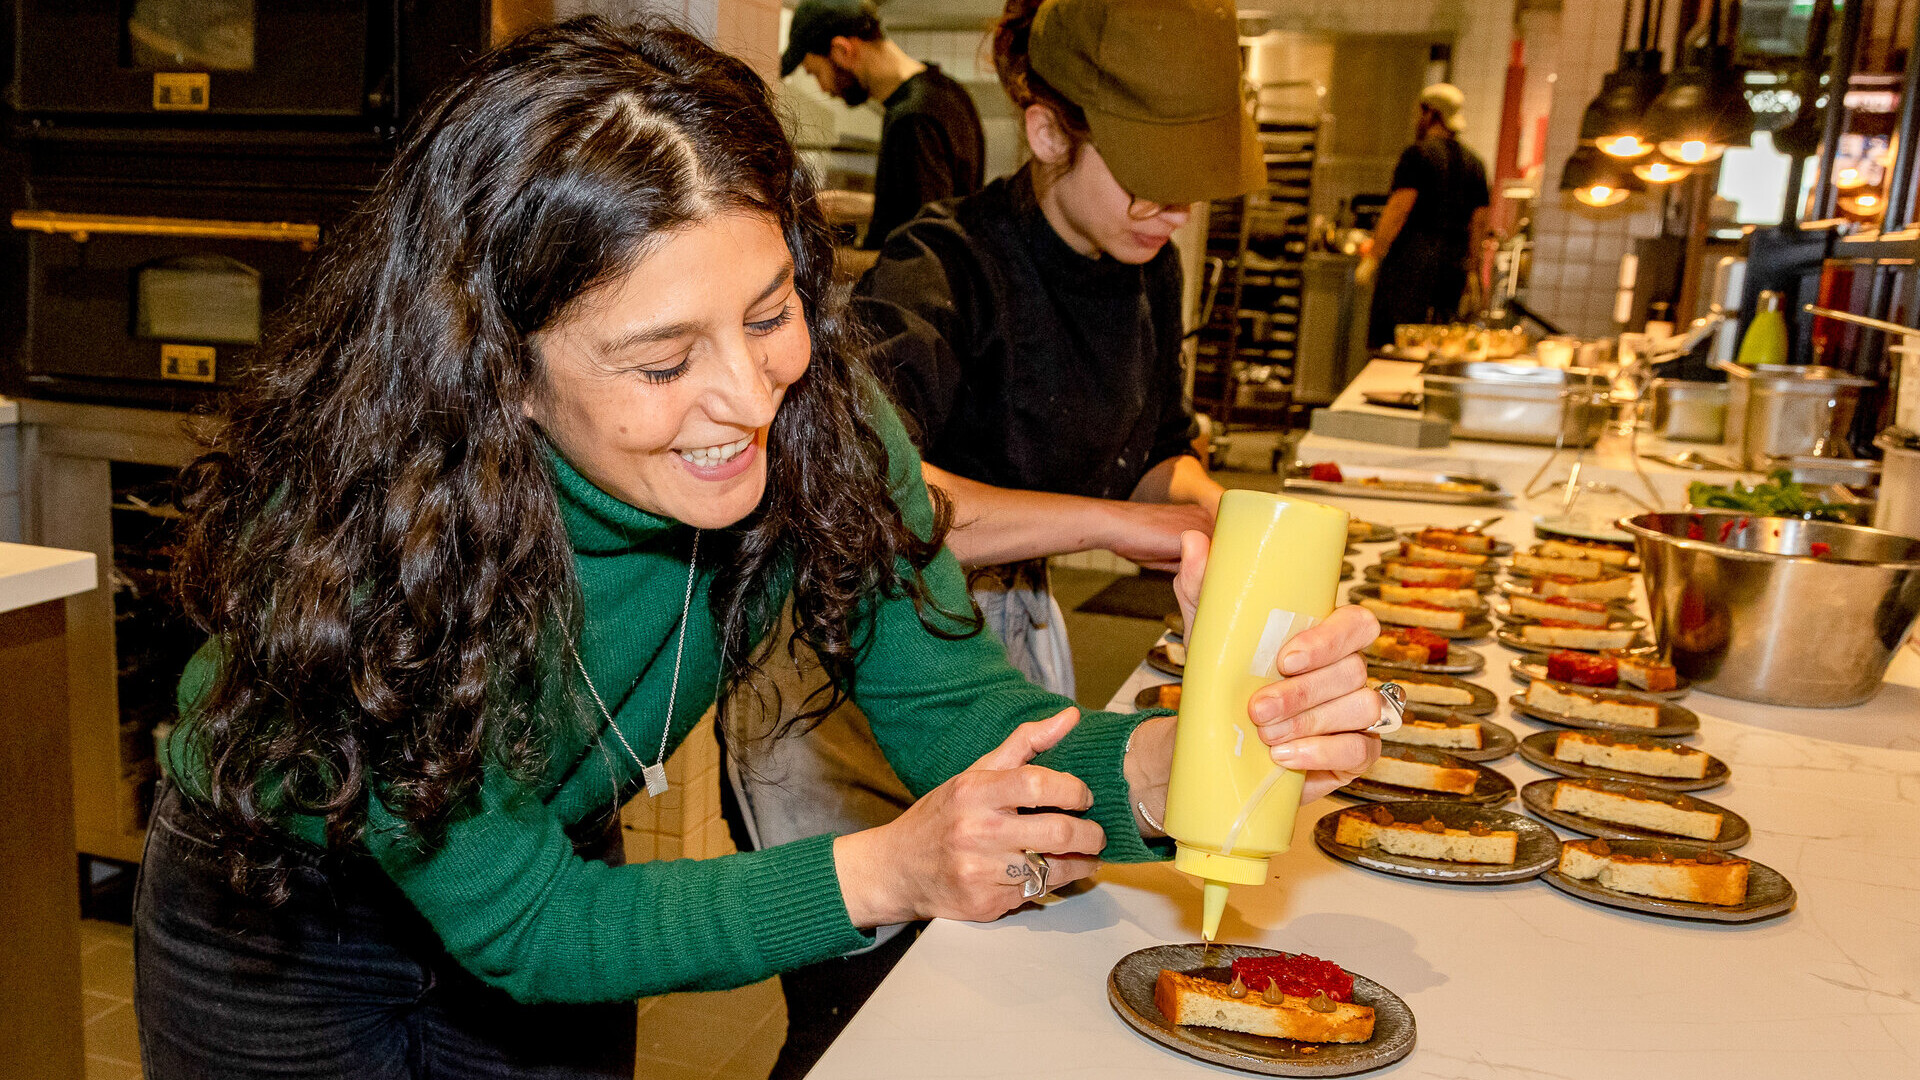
point(1213, 900)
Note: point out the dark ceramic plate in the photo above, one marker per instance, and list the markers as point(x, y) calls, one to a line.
point(1525, 669)
point(1483, 702)
point(1489, 789)
point(1768, 893)
point(1675, 721)
point(1537, 851)
point(1499, 741)
point(1734, 831)
point(1509, 636)
point(1151, 697)
point(1538, 749)
point(1616, 619)
point(1460, 661)
point(1158, 660)
point(1130, 992)
point(1376, 534)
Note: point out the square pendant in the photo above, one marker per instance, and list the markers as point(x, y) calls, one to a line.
point(655, 777)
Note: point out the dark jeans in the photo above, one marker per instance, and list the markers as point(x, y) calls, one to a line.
point(1420, 281)
point(344, 979)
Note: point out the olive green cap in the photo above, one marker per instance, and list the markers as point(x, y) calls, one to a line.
point(1160, 83)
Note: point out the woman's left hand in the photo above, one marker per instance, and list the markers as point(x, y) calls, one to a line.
point(1313, 720)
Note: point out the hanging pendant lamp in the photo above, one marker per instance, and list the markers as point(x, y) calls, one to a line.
point(1703, 109)
point(1598, 180)
point(1612, 122)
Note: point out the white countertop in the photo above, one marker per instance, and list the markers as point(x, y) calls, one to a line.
point(1505, 980)
point(1512, 464)
point(33, 575)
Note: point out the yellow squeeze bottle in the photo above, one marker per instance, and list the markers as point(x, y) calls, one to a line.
point(1272, 572)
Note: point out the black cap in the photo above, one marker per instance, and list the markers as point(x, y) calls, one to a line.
point(817, 22)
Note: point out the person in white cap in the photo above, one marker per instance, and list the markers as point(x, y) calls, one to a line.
point(1433, 224)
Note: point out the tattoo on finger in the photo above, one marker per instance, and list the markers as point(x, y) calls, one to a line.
point(1016, 871)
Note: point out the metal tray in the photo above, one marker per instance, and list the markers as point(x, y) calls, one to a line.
point(1405, 485)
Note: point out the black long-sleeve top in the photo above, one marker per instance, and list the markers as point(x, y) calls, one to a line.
point(1021, 362)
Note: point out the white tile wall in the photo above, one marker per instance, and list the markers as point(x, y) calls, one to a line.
point(685, 822)
point(1576, 262)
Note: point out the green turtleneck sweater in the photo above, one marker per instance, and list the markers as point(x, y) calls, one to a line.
point(514, 904)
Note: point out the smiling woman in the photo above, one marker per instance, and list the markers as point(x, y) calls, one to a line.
point(564, 420)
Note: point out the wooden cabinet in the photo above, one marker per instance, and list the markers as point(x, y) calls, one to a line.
point(69, 455)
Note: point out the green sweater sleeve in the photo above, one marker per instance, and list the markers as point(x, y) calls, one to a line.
point(936, 705)
point(514, 905)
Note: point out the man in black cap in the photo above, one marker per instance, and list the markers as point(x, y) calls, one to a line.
point(931, 147)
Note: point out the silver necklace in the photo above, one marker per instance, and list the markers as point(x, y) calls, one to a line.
point(654, 775)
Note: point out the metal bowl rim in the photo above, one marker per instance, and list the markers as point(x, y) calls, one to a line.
point(1632, 525)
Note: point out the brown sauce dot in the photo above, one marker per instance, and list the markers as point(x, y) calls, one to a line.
point(1599, 847)
point(1237, 988)
point(1320, 1002)
point(1434, 825)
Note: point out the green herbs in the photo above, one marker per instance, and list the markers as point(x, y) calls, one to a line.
point(1778, 496)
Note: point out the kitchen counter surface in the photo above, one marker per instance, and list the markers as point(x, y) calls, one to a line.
point(9, 412)
point(31, 575)
point(1513, 464)
point(1505, 981)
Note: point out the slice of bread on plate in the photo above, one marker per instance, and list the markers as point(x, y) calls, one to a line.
point(1706, 878)
point(1561, 634)
point(1561, 701)
point(1395, 592)
point(1541, 564)
point(1418, 552)
point(1574, 549)
point(1375, 827)
point(1402, 772)
point(1191, 1001)
point(1416, 613)
point(1428, 573)
point(1646, 758)
point(1615, 587)
point(1641, 810)
point(1564, 609)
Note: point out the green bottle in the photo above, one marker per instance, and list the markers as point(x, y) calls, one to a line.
point(1766, 338)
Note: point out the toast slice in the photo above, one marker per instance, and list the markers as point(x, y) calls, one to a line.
point(1401, 772)
point(1564, 635)
point(1428, 573)
point(1418, 552)
point(1422, 692)
point(1190, 1001)
point(1615, 587)
point(1708, 878)
point(1442, 734)
point(1640, 811)
point(1417, 613)
point(1375, 827)
point(1458, 539)
point(1573, 549)
point(1646, 673)
point(1541, 564)
point(1395, 592)
point(1584, 612)
point(1594, 749)
point(1549, 698)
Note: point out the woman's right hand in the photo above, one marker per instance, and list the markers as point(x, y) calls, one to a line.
point(959, 852)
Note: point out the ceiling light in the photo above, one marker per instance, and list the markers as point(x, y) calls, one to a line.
point(1659, 170)
point(1702, 111)
point(1596, 179)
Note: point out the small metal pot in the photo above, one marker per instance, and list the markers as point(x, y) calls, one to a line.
point(1687, 411)
point(1787, 410)
point(1745, 611)
point(1898, 508)
point(1521, 403)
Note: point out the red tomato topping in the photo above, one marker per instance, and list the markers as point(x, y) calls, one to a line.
point(1819, 550)
point(1694, 531)
point(1298, 974)
point(1326, 472)
point(1583, 669)
point(1436, 645)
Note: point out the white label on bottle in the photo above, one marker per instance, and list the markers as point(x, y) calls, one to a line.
point(1282, 625)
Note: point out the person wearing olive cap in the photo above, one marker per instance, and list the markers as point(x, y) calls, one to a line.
point(931, 145)
point(1033, 331)
point(1431, 230)
point(1030, 335)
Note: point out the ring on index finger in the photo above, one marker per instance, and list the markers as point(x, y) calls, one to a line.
point(1036, 880)
point(1393, 707)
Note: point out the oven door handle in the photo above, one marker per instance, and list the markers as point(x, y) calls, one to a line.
point(81, 227)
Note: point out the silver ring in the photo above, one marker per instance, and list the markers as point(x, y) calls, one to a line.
point(1036, 880)
point(1393, 706)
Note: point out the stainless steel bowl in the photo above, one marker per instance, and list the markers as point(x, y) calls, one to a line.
point(1746, 611)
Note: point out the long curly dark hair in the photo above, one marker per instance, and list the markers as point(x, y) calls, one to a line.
point(373, 539)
